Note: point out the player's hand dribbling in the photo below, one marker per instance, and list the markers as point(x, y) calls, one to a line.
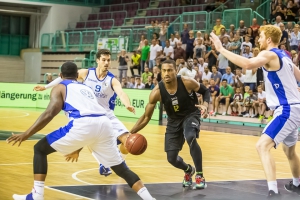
point(17, 138)
point(203, 110)
point(131, 109)
point(72, 156)
point(39, 88)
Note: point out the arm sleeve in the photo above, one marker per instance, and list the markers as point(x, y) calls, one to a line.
point(204, 92)
point(54, 83)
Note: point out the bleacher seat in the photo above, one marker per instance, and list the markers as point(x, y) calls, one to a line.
point(92, 24)
point(144, 4)
point(80, 25)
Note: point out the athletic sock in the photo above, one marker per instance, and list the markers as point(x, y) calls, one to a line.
point(296, 182)
point(189, 169)
point(272, 185)
point(144, 194)
point(200, 174)
point(38, 187)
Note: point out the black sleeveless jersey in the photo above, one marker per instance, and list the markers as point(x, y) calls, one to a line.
point(180, 104)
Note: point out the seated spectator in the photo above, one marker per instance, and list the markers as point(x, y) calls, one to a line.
point(138, 83)
point(124, 83)
point(202, 64)
point(295, 57)
point(222, 63)
point(132, 82)
point(237, 102)
point(135, 63)
point(250, 78)
point(199, 49)
point(205, 83)
point(212, 57)
point(228, 76)
point(179, 52)
point(260, 105)
point(225, 97)
point(216, 76)
point(49, 78)
point(149, 83)
point(154, 83)
point(239, 79)
point(156, 73)
point(245, 44)
point(188, 70)
point(206, 74)
point(247, 53)
point(214, 92)
point(145, 75)
point(198, 75)
point(248, 103)
point(173, 41)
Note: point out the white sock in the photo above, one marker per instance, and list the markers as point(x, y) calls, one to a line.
point(38, 187)
point(272, 185)
point(296, 181)
point(144, 194)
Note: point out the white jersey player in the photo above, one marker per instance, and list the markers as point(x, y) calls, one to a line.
point(88, 126)
point(280, 75)
point(106, 88)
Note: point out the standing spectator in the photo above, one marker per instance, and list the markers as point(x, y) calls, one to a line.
point(250, 78)
point(156, 74)
point(248, 103)
point(188, 70)
point(228, 76)
point(154, 83)
point(231, 37)
point(159, 51)
point(222, 63)
point(190, 45)
point(202, 65)
point(145, 51)
point(283, 47)
point(184, 36)
point(199, 50)
point(179, 52)
point(226, 43)
point(280, 10)
point(198, 75)
point(247, 53)
point(177, 36)
point(294, 38)
point(142, 42)
point(135, 63)
point(145, 75)
point(154, 49)
point(256, 44)
point(158, 63)
point(291, 11)
point(231, 29)
point(173, 41)
point(215, 75)
point(214, 92)
point(198, 37)
point(207, 42)
point(260, 105)
point(272, 10)
point(149, 83)
point(239, 80)
point(255, 27)
point(237, 101)
point(225, 97)
point(289, 27)
point(295, 58)
point(217, 28)
point(284, 37)
point(168, 50)
point(242, 29)
point(206, 74)
point(212, 57)
point(132, 82)
point(123, 60)
point(138, 83)
point(223, 34)
point(245, 44)
point(278, 21)
point(163, 34)
point(235, 47)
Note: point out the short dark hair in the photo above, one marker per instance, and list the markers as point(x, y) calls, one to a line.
point(224, 80)
point(69, 70)
point(170, 62)
point(102, 52)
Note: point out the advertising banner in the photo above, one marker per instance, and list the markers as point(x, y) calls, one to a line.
point(115, 43)
point(22, 96)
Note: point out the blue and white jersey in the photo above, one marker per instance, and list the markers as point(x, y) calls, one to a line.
point(281, 85)
point(80, 101)
point(103, 89)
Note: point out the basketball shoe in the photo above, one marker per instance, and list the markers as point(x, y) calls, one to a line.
point(290, 187)
point(200, 182)
point(187, 179)
point(104, 171)
point(273, 195)
point(32, 196)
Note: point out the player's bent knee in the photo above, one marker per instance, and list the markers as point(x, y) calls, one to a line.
point(124, 172)
point(43, 147)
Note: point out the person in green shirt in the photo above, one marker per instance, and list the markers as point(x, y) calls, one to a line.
point(225, 97)
point(145, 55)
point(145, 75)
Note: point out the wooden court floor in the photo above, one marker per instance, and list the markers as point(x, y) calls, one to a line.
point(225, 157)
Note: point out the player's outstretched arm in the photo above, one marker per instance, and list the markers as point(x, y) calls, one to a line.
point(54, 107)
point(145, 118)
point(261, 59)
point(123, 96)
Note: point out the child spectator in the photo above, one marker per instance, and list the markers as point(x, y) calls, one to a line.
point(237, 101)
point(248, 103)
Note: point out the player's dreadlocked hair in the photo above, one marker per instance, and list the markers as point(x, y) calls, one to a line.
point(102, 52)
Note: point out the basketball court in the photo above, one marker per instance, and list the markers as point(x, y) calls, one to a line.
point(231, 165)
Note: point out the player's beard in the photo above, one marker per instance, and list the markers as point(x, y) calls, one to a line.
point(263, 46)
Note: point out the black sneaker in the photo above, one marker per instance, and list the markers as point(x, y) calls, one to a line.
point(274, 195)
point(292, 188)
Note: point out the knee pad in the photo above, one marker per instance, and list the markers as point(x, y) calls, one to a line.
point(124, 172)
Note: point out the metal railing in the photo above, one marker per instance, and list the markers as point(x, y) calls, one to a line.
point(233, 16)
point(92, 24)
point(73, 2)
point(264, 9)
point(110, 8)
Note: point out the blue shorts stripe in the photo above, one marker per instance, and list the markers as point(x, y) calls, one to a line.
point(278, 122)
point(61, 132)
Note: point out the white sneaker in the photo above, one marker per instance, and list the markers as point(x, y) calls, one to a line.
point(33, 196)
point(224, 113)
point(246, 115)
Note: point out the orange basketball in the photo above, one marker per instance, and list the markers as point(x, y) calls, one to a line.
point(136, 144)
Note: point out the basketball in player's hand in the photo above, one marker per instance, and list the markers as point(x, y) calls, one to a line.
point(136, 144)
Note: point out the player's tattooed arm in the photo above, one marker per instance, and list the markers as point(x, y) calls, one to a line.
point(145, 118)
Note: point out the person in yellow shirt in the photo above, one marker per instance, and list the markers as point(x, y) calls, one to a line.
point(135, 61)
point(218, 26)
